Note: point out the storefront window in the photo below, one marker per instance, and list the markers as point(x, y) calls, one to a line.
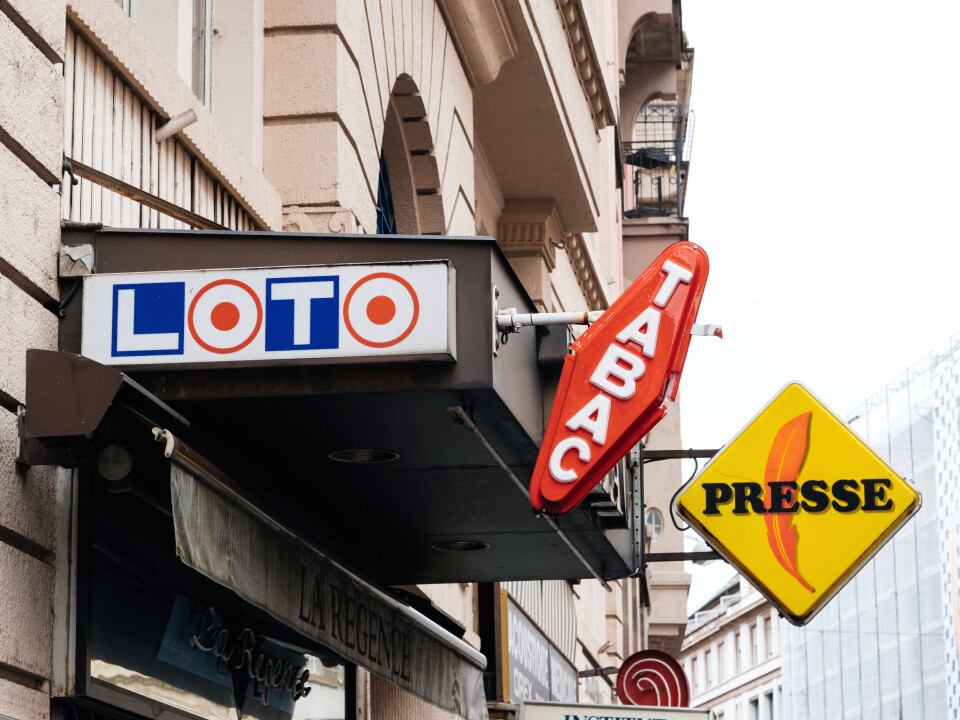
point(162, 636)
point(654, 521)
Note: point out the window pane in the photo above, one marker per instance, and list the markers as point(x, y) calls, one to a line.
point(201, 49)
point(768, 636)
point(654, 521)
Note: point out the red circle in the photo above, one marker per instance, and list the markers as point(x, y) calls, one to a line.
point(196, 299)
point(225, 316)
point(381, 310)
point(388, 343)
point(654, 679)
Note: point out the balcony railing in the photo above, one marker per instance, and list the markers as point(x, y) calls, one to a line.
point(656, 162)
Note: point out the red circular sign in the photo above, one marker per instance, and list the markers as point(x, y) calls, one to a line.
point(224, 317)
point(652, 678)
point(377, 313)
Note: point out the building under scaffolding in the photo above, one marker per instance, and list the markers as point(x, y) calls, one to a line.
point(887, 646)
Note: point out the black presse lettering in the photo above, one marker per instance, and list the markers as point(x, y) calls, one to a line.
point(845, 498)
point(717, 494)
point(783, 497)
point(747, 492)
point(815, 498)
point(875, 495)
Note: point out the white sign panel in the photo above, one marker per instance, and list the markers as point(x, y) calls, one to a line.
point(267, 316)
point(558, 711)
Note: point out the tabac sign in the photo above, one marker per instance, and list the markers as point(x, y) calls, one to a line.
point(797, 503)
point(616, 377)
point(267, 316)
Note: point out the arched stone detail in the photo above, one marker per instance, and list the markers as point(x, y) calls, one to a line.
point(408, 151)
point(662, 16)
point(358, 66)
point(423, 83)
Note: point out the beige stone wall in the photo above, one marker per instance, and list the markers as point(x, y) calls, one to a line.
point(337, 76)
point(301, 150)
point(31, 132)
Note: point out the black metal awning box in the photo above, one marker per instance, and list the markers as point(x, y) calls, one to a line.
point(278, 427)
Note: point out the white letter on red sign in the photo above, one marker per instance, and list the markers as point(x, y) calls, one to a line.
point(608, 367)
point(560, 473)
point(600, 406)
point(650, 319)
point(675, 276)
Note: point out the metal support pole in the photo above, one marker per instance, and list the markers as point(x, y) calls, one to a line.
point(142, 197)
point(674, 556)
point(594, 672)
point(512, 322)
point(461, 417)
point(677, 454)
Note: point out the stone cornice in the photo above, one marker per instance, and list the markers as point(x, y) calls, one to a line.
point(482, 35)
point(531, 228)
point(588, 65)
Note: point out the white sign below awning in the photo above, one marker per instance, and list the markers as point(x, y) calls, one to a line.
point(560, 711)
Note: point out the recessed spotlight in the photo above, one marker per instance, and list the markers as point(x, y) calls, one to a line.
point(363, 455)
point(460, 545)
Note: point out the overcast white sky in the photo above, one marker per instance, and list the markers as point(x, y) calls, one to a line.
point(823, 186)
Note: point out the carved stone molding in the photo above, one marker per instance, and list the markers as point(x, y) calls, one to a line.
point(482, 35)
point(586, 272)
point(588, 65)
point(318, 220)
point(530, 228)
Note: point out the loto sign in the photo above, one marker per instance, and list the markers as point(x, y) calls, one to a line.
point(797, 503)
point(616, 377)
point(267, 316)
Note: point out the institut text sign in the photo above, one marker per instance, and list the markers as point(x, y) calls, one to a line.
point(559, 711)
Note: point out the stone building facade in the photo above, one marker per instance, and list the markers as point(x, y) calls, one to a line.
point(732, 656)
point(496, 119)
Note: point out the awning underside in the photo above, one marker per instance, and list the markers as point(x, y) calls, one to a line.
point(384, 518)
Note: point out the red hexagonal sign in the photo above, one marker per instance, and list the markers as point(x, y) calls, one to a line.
point(616, 377)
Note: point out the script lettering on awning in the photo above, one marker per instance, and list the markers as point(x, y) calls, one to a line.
point(244, 652)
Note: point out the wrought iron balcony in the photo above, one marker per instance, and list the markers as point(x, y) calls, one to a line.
point(656, 162)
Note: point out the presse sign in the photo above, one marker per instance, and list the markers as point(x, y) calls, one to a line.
point(797, 503)
point(270, 315)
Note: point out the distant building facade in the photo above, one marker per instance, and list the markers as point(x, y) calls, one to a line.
point(731, 655)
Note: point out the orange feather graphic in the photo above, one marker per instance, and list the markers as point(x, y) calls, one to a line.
point(787, 454)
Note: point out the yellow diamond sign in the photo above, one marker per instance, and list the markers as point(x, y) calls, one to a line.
point(797, 503)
